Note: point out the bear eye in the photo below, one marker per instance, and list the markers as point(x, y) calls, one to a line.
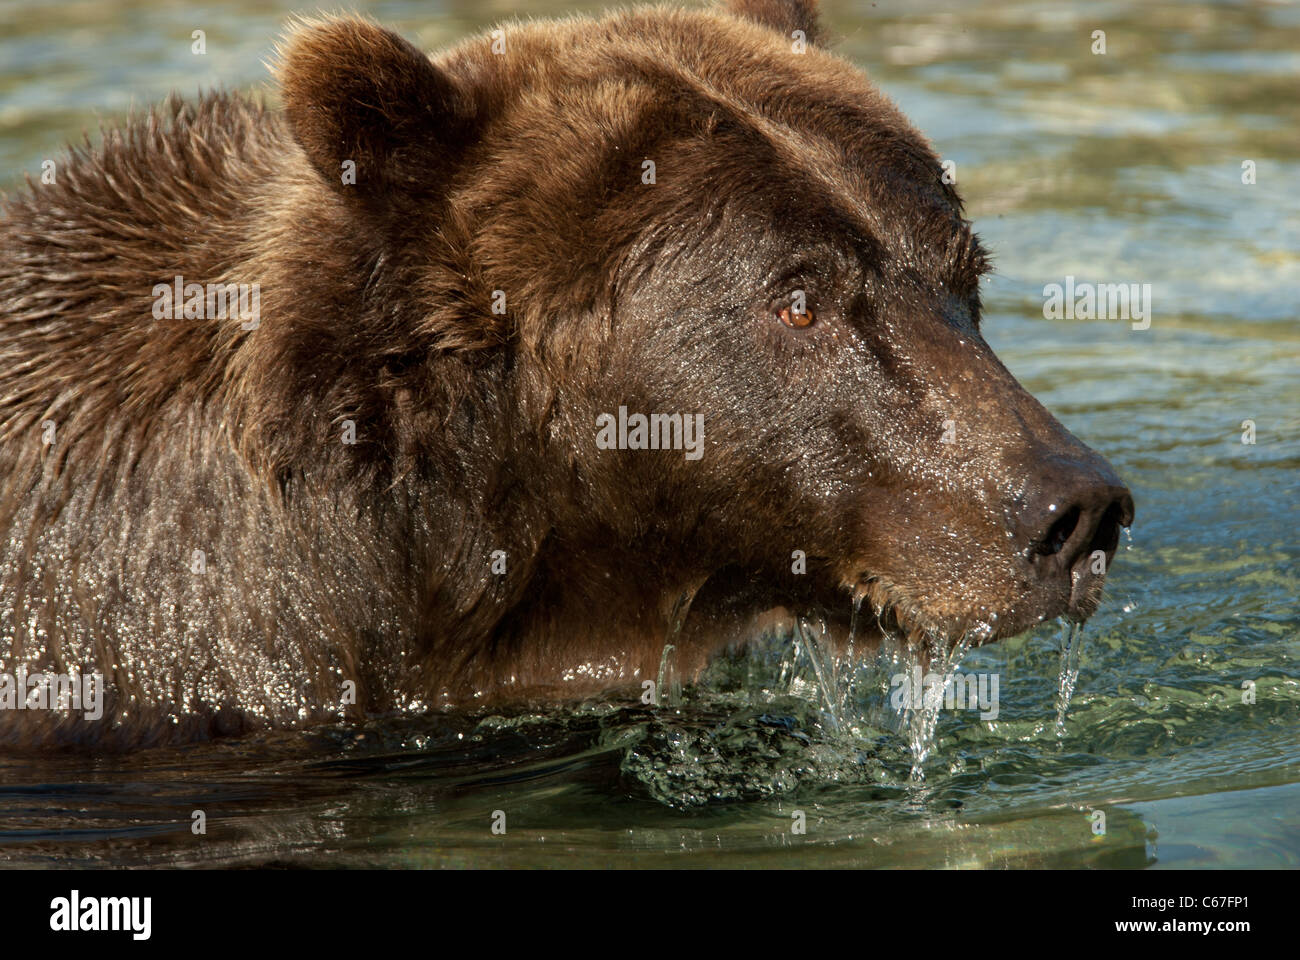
point(797, 319)
point(797, 315)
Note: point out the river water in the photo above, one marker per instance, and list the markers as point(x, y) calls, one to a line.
point(1181, 742)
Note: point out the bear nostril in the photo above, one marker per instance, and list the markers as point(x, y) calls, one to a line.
point(1058, 535)
point(1106, 536)
point(1084, 529)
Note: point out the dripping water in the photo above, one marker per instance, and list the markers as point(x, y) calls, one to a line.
point(921, 709)
point(1071, 646)
point(850, 663)
point(819, 656)
point(668, 684)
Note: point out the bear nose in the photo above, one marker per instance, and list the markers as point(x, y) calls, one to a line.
point(1076, 516)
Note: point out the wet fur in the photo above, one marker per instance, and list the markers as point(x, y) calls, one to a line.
point(370, 562)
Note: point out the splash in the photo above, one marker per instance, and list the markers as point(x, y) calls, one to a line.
point(1071, 647)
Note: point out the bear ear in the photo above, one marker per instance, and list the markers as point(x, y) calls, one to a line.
point(784, 16)
point(356, 92)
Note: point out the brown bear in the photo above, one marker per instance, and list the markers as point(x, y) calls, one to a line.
point(477, 378)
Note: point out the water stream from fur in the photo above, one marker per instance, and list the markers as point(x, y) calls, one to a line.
point(1071, 649)
point(909, 678)
point(668, 683)
point(824, 668)
point(924, 670)
point(933, 665)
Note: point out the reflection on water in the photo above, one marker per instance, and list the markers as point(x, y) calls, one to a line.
point(1183, 725)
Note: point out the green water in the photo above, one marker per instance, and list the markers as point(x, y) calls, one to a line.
point(1117, 168)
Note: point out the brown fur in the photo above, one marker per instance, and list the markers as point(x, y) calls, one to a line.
point(521, 173)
